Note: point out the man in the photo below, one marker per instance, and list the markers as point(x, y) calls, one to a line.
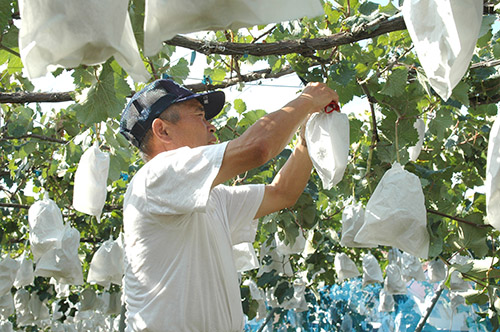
point(180, 223)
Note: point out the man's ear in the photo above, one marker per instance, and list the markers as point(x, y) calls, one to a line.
point(160, 130)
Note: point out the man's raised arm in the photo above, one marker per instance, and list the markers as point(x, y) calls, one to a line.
point(266, 138)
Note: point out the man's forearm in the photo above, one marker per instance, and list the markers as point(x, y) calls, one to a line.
point(266, 138)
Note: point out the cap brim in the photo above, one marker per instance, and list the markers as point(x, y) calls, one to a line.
point(213, 102)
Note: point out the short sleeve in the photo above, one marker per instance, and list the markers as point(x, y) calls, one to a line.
point(179, 181)
point(241, 204)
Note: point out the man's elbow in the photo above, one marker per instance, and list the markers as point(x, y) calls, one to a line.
point(261, 153)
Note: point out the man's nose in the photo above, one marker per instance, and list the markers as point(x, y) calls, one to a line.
point(211, 127)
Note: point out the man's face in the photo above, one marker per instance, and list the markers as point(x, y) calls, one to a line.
point(192, 129)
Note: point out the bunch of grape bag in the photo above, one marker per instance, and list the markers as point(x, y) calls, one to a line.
point(165, 18)
point(6, 306)
point(107, 265)
point(411, 268)
point(284, 248)
point(386, 302)
point(91, 176)
point(414, 151)
point(371, 270)
point(279, 263)
point(46, 226)
point(298, 300)
point(38, 308)
point(25, 275)
point(8, 271)
point(396, 215)
point(394, 283)
point(444, 34)
point(259, 296)
point(327, 137)
point(21, 304)
point(69, 33)
point(353, 217)
point(345, 267)
point(244, 257)
point(492, 183)
point(436, 270)
point(62, 262)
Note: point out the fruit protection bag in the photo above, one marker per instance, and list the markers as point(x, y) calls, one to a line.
point(444, 33)
point(386, 302)
point(90, 189)
point(21, 304)
point(414, 151)
point(436, 271)
point(62, 263)
point(394, 283)
point(492, 183)
point(327, 137)
point(6, 306)
point(166, 18)
point(395, 215)
point(275, 261)
point(411, 268)
point(371, 270)
point(8, 271)
point(25, 275)
point(353, 217)
point(107, 265)
point(68, 33)
point(345, 267)
point(46, 226)
point(244, 257)
point(284, 248)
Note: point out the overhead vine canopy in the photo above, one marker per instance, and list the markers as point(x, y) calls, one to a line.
point(361, 49)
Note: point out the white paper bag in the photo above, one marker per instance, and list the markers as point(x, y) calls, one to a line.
point(345, 267)
point(6, 305)
point(25, 275)
point(394, 283)
point(38, 308)
point(287, 249)
point(67, 33)
point(298, 300)
point(166, 18)
point(281, 264)
point(436, 271)
point(8, 271)
point(46, 226)
point(89, 300)
point(371, 270)
point(396, 215)
point(259, 296)
point(6, 326)
point(411, 268)
point(492, 183)
point(91, 176)
point(63, 263)
point(106, 266)
point(327, 137)
point(444, 33)
point(386, 302)
point(353, 217)
point(21, 304)
point(111, 303)
point(244, 257)
point(414, 151)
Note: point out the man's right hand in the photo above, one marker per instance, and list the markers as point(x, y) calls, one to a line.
point(319, 94)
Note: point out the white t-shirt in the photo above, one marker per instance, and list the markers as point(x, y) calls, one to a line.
point(179, 235)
